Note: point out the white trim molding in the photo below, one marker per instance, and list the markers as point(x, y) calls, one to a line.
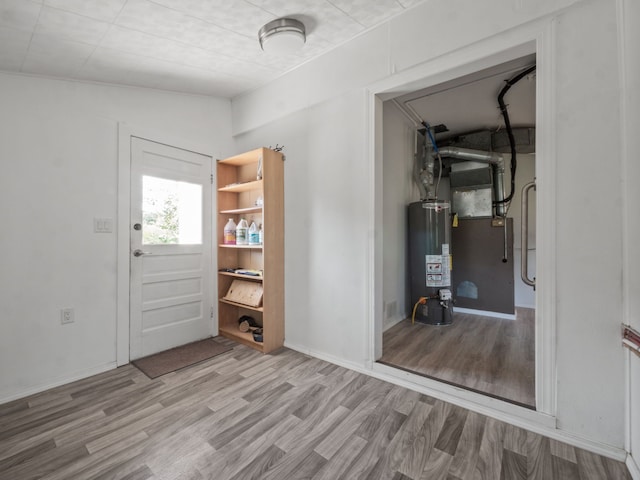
point(629, 72)
point(634, 470)
point(485, 313)
point(546, 227)
point(124, 202)
point(59, 381)
point(539, 38)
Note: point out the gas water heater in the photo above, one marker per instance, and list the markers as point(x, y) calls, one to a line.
point(430, 261)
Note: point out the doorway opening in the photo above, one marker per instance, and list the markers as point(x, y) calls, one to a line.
point(458, 300)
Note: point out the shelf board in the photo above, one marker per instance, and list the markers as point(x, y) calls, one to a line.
point(242, 210)
point(256, 278)
point(258, 247)
point(244, 158)
point(242, 187)
point(240, 337)
point(241, 305)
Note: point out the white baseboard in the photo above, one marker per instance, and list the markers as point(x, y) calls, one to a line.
point(391, 322)
point(484, 313)
point(79, 375)
point(634, 470)
point(525, 418)
point(530, 307)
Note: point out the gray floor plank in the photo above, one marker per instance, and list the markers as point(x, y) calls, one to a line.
point(244, 415)
point(377, 445)
point(564, 469)
point(437, 466)
point(466, 456)
point(403, 440)
point(336, 467)
point(514, 466)
point(539, 462)
point(491, 355)
point(489, 464)
point(227, 461)
point(257, 467)
point(451, 431)
point(417, 454)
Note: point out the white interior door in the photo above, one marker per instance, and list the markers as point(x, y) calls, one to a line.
point(170, 262)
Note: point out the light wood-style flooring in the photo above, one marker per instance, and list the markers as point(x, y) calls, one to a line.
point(489, 355)
point(244, 415)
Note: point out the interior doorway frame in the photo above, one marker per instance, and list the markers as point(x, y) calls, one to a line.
point(538, 39)
point(125, 133)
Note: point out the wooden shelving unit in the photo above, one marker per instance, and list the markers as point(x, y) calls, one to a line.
point(239, 193)
point(238, 187)
point(238, 275)
point(246, 307)
point(243, 210)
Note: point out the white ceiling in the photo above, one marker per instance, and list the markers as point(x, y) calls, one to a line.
point(205, 47)
point(470, 103)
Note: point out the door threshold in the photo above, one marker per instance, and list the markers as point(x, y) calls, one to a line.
point(458, 385)
point(515, 414)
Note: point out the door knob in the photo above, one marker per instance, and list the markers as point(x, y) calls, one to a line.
point(138, 253)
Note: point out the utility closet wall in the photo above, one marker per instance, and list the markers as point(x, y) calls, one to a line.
point(321, 112)
point(59, 155)
point(398, 190)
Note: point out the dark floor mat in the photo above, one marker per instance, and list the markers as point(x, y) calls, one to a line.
point(171, 360)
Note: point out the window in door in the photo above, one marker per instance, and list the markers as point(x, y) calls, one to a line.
point(171, 212)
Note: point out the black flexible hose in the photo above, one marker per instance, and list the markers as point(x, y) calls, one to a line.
point(507, 124)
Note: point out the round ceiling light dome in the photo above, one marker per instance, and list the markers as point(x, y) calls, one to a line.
point(282, 36)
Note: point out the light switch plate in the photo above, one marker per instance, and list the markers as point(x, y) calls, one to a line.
point(102, 225)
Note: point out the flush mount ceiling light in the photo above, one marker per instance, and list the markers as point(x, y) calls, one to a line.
point(282, 36)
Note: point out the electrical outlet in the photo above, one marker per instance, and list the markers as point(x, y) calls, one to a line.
point(67, 315)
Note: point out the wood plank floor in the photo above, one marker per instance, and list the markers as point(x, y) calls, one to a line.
point(243, 415)
point(485, 354)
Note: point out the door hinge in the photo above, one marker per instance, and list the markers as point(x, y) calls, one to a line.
point(212, 179)
point(211, 312)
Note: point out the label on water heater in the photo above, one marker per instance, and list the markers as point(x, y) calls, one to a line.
point(437, 269)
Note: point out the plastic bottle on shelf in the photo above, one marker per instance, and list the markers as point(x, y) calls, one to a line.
point(261, 235)
point(242, 233)
point(229, 237)
point(254, 237)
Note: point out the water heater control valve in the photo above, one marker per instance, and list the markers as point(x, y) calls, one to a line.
point(445, 294)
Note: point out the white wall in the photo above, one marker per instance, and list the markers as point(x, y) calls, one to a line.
point(325, 224)
point(398, 188)
point(524, 295)
point(590, 381)
point(589, 231)
point(58, 150)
